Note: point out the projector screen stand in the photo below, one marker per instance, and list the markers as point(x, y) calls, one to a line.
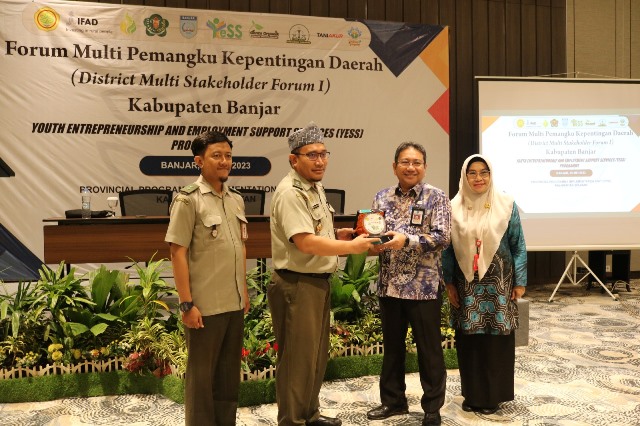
point(571, 272)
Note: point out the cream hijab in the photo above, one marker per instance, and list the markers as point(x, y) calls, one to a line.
point(474, 216)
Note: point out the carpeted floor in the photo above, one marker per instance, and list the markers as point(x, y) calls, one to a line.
point(581, 367)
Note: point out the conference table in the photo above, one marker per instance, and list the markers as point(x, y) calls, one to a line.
point(121, 239)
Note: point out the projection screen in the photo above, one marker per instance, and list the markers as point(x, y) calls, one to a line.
point(568, 150)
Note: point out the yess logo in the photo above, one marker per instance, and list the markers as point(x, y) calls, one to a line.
point(221, 29)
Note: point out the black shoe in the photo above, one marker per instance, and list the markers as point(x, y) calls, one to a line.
point(431, 419)
point(466, 407)
point(325, 421)
point(383, 412)
point(487, 411)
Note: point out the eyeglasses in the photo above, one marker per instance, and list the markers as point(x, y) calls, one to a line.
point(406, 163)
point(313, 156)
point(483, 174)
point(218, 156)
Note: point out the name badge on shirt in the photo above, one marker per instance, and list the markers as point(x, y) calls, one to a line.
point(243, 231)
point(417, 216)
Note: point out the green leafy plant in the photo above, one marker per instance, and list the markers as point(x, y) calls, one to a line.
point(257, 352)
point(172, 348)
point(59, 319)
point(107, 287)
point(18, 310)
point(350, 287)
point(153, 348)
point(144, 297)
point(101, 323)
point(58, 294)
point(259, 346)
point(11, 350)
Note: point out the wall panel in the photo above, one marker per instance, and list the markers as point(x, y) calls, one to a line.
point(480, 27)
point(197, 4)
point(558, 38)
point(634, 42)
point(543, 37)
point(357, 9)
point(429, 10)
point(376, 10)
point(393, 12)
point(262, 6)
point(594, 38)
point(528, 38)
point(411, 8)
point(497, 58)
point(622, 28)
point(464, 86)
point(338, 9)
point(300, 8)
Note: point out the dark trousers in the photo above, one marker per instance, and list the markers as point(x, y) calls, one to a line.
point(300, 312)
point(424, 318)
point(213, 370)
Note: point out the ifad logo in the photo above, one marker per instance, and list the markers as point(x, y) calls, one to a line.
point(74, 20)
point(46, 19)
point(188, 26)
point(156, 25)
point(223, 30)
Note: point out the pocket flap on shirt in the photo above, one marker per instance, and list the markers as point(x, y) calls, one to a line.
point(317, 214)
point(211, 220)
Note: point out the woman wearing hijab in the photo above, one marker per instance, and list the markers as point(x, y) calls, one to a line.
point(485, 271)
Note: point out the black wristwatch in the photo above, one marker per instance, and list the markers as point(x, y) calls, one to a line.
point(186, 306)
point(406, 240)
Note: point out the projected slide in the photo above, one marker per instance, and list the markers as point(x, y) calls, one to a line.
point(568, 151)
point(567, 163)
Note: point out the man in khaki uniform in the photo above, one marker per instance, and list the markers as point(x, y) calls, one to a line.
point(304, 249)
point(206, 234)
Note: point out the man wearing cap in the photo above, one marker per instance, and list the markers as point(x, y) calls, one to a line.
point(305, 251)
point(206, 236)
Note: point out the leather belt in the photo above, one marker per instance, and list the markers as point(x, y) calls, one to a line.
point(324, 275)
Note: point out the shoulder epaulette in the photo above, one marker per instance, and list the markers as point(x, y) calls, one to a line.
point(189, 188)
point(297, 184)
point(232, 189)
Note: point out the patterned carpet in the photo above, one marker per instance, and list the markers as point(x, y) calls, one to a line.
point(581, 367)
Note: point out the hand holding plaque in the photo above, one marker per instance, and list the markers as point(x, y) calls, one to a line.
point(372, 222)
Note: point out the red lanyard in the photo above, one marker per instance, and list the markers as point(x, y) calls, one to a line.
point(477, 255)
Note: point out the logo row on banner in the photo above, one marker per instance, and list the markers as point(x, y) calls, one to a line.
point(140, 22)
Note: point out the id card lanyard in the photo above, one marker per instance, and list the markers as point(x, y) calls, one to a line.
point(477, 255)
point(417, 212)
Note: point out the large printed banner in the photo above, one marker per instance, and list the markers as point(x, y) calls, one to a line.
point(111, 96)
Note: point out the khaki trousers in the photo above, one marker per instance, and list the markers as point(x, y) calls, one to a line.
point(300, 311)
point(212, 380)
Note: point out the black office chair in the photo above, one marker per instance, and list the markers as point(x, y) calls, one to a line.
point(335, 197)
point(145, 202)
point(253, 200)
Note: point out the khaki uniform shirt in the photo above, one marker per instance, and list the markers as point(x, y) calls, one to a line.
point(297, 207)
point(213, 227)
